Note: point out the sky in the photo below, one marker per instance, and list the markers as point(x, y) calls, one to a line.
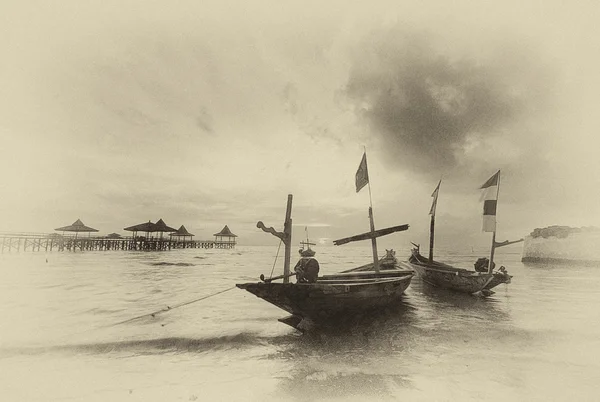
point(211, 113)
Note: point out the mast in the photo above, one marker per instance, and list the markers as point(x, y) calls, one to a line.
point(287, 230)
point(372, 223)
point(432, 224)
point(431, 231)
point(373, 240)
point(285, 237)
point(493, 248)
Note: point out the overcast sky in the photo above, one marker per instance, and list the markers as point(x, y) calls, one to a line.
point(210, 113)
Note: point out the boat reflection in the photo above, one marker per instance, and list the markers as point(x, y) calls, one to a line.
point(440, 301)
point(355, 357)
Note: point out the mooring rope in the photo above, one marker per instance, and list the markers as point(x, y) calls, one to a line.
point(169, 308)
point(275, 262)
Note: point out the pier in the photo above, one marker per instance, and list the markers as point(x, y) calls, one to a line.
point(30, 242)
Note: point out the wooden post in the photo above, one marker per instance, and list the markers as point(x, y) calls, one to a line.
point(285, 236)
point(431, 231)
point(374, 241)
point(490, 268)
point(287, 230)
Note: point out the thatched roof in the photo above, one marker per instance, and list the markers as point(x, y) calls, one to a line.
point(142, 227)
point(161, 226)
point(113, 236)
point(225, 232)
point(182, 231)
point(77, 226)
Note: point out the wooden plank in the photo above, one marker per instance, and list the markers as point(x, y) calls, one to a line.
point(371, 235)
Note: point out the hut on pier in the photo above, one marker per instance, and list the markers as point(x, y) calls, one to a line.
point(225, 238)
point(147, 227)
point(181, 234)
point(76, 227)
point(162, 227)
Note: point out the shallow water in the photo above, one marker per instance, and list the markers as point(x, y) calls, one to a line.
point(535, 339)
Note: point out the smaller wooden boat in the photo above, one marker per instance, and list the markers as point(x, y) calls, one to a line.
point(480, 279)
point(449, 277)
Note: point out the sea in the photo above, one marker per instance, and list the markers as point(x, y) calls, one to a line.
point(77, 326)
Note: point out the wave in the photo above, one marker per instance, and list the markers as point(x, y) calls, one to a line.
point(150, 346)
point(176, 264)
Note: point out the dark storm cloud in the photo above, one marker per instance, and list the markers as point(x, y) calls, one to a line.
point(424, 101)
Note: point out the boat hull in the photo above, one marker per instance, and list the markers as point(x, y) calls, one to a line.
point(333, 294)
point(462, 282)
point(448, 277)
point(498, 279)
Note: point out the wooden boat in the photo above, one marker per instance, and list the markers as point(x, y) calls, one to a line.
point(446, 276)
point(346, 293)
point(481, 279)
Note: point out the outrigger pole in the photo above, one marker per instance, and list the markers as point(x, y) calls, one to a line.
point(285, 236)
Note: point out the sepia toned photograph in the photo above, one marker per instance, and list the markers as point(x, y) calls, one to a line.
point(299, 201)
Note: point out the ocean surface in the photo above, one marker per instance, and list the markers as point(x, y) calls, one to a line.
point(536, 339)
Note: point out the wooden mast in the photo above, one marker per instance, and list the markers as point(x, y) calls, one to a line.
point(372, 222)
point(431, 231)
point(285, 236)
point(287, 230)
point(362, 179)
point(493, 248)
point(373, 239)
point(435, 195)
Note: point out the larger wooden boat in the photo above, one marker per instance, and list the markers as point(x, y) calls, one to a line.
point(351, 292)
point(480, 279)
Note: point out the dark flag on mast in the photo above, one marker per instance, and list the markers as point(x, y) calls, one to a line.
point(435, 197)
point(362, 174)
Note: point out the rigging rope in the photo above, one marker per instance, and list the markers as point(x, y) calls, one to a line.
point(168, 308)
point(275, 262)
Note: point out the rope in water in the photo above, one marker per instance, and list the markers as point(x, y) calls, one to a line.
point(168, 308)
point(275, 262)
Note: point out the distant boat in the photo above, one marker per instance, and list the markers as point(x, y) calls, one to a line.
point(483, 278)
point(305, 249)
point(314, 300)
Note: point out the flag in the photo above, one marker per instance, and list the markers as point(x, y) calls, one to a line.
point(435, 197)
point(362, 174)
point(490, 201)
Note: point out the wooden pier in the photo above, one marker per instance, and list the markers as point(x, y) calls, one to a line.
point(16, 242)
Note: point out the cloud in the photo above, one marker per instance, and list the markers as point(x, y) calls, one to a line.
point(433, 107)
